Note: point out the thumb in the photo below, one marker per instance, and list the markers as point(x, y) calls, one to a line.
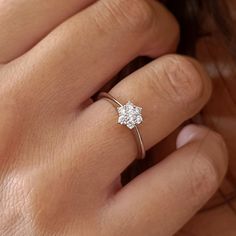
point(162, 199)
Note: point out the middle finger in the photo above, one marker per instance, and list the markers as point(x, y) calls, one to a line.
point(82, 54)
point(171, 90)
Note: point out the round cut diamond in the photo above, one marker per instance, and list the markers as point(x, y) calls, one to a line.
point(130, 115)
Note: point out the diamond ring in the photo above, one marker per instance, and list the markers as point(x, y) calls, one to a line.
point(130, 116)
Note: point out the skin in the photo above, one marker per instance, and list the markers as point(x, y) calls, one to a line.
point(218, 216)
point(220, 115)
point(60, 163)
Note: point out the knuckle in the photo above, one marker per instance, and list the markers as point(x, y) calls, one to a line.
point(135, 15)
point(184, 83)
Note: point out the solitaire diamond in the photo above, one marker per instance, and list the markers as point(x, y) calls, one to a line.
point(130, 115)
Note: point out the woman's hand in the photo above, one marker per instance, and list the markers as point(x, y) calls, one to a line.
point(62, 155)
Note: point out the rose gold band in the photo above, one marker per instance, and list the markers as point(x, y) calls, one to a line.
point(136, 132)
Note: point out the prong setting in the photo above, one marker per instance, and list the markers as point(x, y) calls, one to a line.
point(130, 115)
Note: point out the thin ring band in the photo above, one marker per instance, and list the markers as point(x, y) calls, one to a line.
point(137, 134)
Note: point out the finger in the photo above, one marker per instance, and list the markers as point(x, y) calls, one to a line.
point(170, 90)
point(23, 23)
point(161, 200)
point(88, 49)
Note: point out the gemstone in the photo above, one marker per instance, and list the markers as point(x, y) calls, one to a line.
point(130, 115)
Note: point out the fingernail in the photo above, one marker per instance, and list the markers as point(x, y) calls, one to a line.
point(190, 133)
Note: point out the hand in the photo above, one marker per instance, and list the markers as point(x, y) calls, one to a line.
point(62, 154)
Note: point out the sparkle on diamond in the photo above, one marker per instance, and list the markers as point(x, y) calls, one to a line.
point(130, 115)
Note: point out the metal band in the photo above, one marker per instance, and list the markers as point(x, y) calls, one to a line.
point(137, 134)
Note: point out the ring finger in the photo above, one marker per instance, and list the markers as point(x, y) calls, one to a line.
point(170, 90)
